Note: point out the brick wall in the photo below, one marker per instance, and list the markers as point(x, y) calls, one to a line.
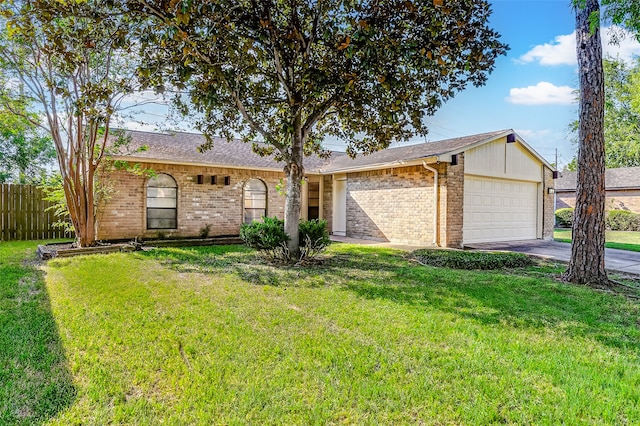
point(548, 214)
point(452, 185)
point(391, 205)
point(327, 201)
point(124, 215)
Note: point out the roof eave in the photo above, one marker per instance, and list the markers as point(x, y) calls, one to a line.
point(382, 166)
point(202, 164)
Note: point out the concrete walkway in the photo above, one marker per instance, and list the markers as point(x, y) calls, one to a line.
point(623, 261)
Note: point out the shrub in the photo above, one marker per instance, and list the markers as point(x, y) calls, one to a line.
point(267, 235)
point(314, 237)
point(623, 220)
point(270, 239)
point(564, 217)
point(205, 230)
point(458, 259)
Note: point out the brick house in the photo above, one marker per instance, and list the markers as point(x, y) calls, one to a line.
point(480, 188)
point(622, 188)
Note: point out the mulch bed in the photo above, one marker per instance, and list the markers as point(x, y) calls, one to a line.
point(49, 251)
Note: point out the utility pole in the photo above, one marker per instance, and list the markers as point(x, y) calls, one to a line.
point(555, 200)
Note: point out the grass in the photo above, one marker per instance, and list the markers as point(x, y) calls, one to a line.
point(367, 336)
point(623, 240)
point(35, 381)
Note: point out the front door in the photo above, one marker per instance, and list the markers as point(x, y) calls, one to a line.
point(340, 205)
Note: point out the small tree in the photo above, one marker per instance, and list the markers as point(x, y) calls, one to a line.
point(286, 74)
point(74, 60)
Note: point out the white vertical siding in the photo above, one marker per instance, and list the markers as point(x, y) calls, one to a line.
point(503, 160)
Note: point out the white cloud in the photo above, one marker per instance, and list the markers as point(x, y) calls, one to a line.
point(562, 51)
point(543, 93)
point(144, 127)
point(533, 134)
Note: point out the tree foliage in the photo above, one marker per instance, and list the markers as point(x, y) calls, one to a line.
point(284, 75)
point(621, 114)
point(73, 60)
point(26, 152)
point(625, 13)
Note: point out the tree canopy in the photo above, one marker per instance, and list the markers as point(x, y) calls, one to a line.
point(625, 13)
point(284, 75)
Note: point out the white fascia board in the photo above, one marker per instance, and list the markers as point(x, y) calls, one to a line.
point(382, 166)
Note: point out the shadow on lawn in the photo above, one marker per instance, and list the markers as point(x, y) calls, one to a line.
point(494, 297)
point(35, 381)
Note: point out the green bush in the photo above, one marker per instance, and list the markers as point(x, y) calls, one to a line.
point(564, 217)
point(267, 235)
point(623, 220)
point(314, 237)
point(458, 259)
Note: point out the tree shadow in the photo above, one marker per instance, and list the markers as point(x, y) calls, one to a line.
point(35, 380)
point(514, 298)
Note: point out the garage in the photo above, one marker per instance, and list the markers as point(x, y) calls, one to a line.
point(499, 210)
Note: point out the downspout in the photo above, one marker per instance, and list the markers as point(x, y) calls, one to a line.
point(435, 200)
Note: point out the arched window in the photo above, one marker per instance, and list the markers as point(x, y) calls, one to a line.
point(162, 202)
point(255, 200)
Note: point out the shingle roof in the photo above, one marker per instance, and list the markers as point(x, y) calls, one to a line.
point(412, 152)
point(180, 147)
point(183, 148)
point(626, 177)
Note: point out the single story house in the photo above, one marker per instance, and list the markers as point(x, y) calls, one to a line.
point(622, 189)
point(479, 188)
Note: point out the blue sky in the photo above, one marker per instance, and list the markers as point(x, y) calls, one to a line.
point(531, 89)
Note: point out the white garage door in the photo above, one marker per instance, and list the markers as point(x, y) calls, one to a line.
point(499, 210)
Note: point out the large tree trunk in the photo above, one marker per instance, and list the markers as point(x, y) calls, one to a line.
point(587, 249)
point(292, 205)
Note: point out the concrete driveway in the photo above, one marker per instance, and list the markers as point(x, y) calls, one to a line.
point(623, 261)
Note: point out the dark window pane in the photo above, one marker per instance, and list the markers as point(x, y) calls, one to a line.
point(161, 223)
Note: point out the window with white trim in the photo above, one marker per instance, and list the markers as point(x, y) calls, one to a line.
point(255, 200)
point(162, 202)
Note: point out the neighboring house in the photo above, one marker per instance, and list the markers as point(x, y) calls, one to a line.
point(622, 187)
point(480, 188)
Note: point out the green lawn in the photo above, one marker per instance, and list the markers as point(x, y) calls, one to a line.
point(624, 240)
point(211, 336)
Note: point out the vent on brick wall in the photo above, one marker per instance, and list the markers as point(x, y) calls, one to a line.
point(227, 180)
point(454, 160)
point(214, 180)
point(200, 179)
point(555, 174)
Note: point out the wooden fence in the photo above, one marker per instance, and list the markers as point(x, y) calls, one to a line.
point(24, 214)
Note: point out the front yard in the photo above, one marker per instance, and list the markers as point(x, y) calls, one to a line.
point(367, 336)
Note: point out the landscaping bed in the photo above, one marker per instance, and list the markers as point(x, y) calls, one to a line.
point(68, 249)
